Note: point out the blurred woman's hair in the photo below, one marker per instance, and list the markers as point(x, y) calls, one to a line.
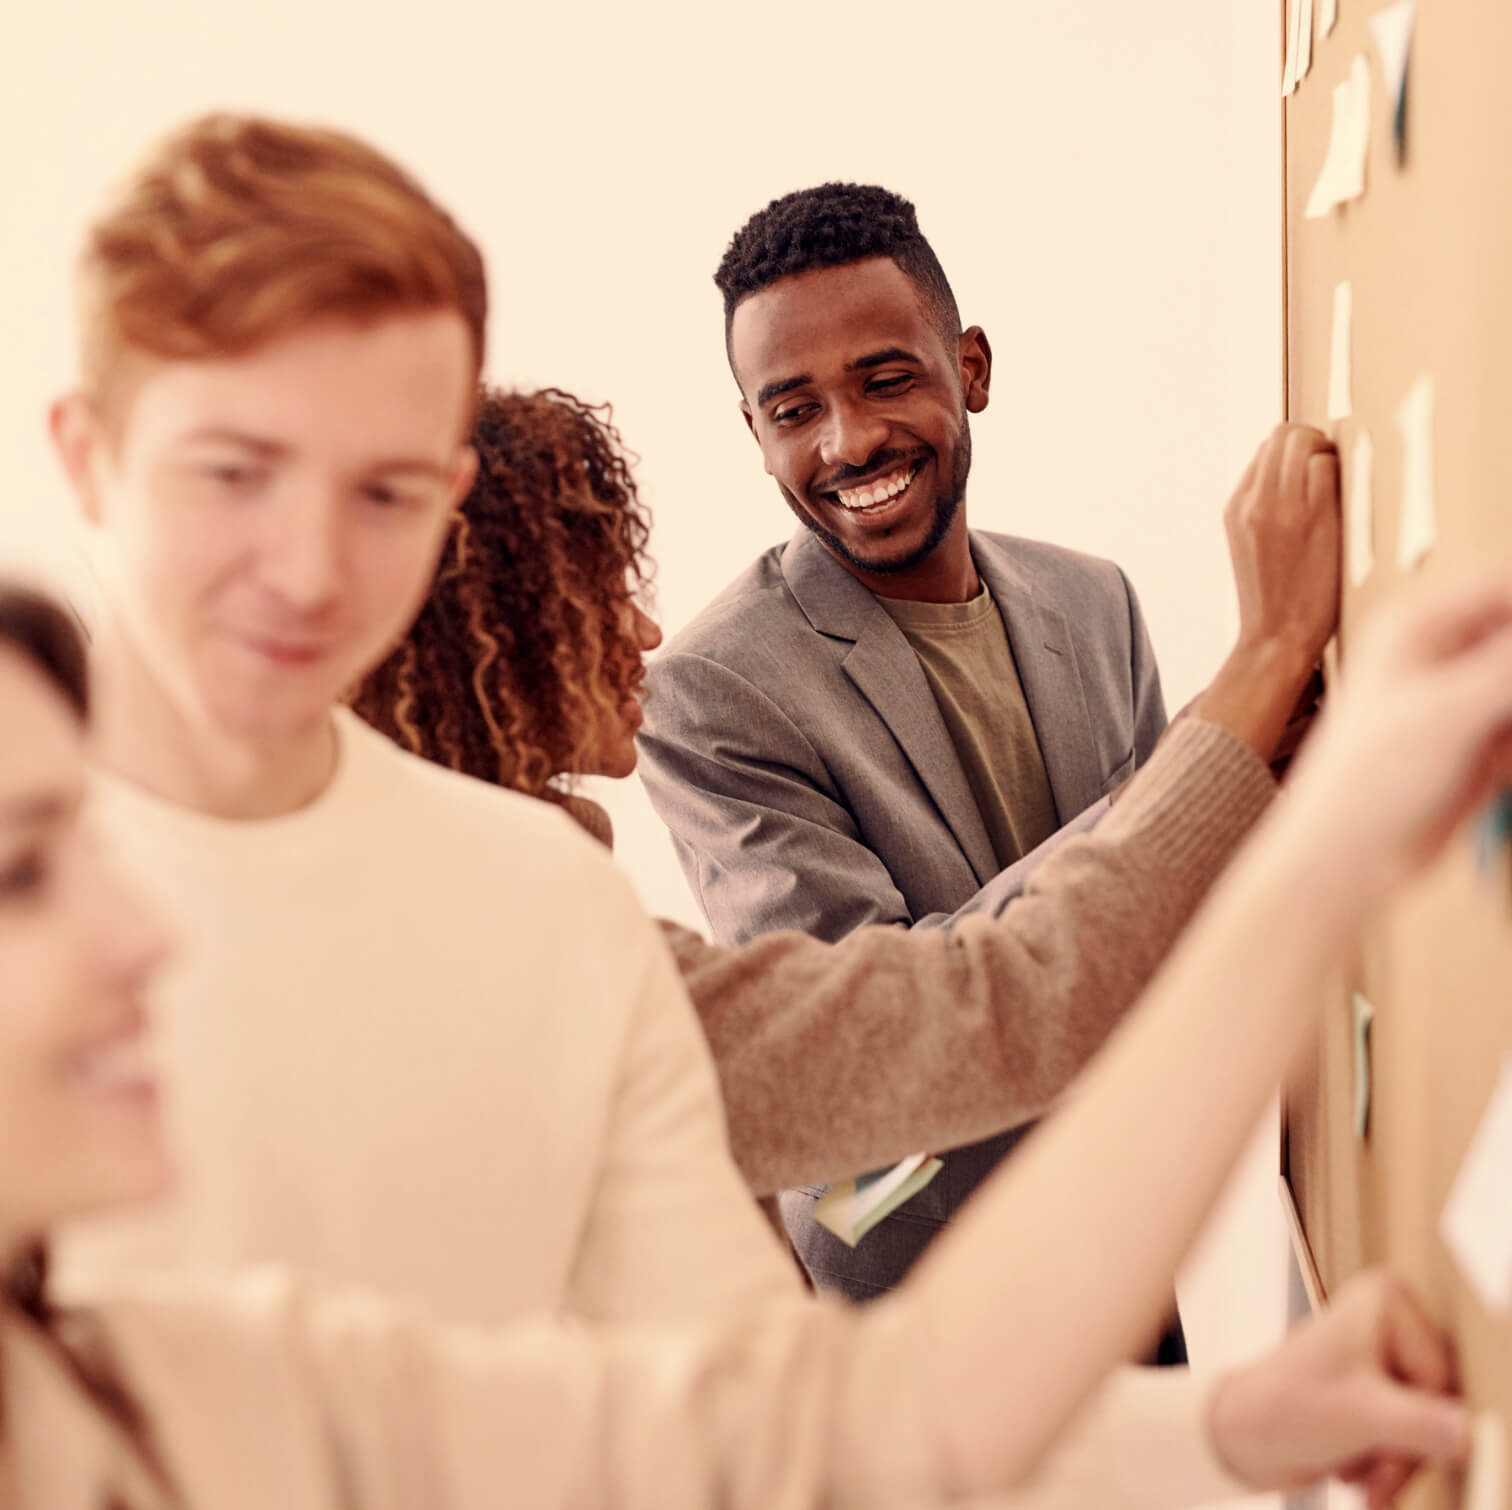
point(523, 649)
point(49, 638)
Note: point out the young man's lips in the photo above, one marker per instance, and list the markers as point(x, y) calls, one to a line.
point(284, 652)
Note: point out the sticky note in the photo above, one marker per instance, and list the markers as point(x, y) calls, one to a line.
point(1289, 70)
point(1493, 834)
point(1338, 366)
point(1419, 528)
point(851, 1209)
point(1299, 30)
point(1364, 1015)
point(1328, 16)
point(1342, 176)
point(1476, 1223)
point(1392, 30)
point(1359, 511)
point(1486, 1475)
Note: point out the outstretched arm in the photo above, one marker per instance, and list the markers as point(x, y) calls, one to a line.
point(838, 1057)
point(1421, 735)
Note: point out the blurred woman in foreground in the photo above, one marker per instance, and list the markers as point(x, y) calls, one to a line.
point(957, 1386)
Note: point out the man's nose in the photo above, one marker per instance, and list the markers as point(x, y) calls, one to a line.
point(852, 435)
point(304, 551)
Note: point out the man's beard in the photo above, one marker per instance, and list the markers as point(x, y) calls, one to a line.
point(947, 506)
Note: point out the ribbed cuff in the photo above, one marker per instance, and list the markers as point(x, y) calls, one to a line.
point(1197, 797)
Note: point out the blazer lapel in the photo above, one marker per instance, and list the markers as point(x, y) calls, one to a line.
point(888, 675)
point(1045, 655)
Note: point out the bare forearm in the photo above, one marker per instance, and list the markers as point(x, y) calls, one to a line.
point(1092, 1218)
point(1255, 692)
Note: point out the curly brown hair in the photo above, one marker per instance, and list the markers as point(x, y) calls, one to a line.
point(522, 647)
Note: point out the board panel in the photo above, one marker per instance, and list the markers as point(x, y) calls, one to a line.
point(1427, 251)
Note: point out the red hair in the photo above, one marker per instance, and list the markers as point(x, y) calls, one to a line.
point(235, 230)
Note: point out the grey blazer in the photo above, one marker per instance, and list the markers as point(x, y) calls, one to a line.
point(794, 749)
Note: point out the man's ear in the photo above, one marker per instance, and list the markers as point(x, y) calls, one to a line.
point(464, 474)
point(974, 356)
point(79, 440)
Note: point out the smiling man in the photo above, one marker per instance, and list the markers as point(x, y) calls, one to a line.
point(887, 719)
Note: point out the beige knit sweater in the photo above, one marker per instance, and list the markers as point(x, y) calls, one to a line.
point(838, 1057)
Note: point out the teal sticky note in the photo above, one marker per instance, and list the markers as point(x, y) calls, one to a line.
point(1493, 834)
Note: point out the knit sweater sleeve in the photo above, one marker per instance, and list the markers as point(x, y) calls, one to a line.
point(835, 1058)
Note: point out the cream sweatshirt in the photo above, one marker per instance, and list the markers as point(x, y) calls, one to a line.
point(419, 1035)
point(258, 1394)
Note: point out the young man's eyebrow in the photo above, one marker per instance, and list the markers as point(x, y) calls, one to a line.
point(40, 810)
point(861, 364)
point(775, 390)
point(226, 435)
point(881, 359)
point(273, 449)
point(422, 465)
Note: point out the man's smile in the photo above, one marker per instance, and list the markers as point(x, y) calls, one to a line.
point(877, 492)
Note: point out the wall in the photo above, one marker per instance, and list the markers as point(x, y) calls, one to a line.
point(1101, 181)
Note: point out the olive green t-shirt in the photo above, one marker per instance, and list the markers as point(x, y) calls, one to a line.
point(964, 651)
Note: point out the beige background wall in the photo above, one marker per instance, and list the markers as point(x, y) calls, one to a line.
point(1101, 181)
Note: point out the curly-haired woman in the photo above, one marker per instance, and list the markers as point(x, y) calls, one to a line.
point(523, 668)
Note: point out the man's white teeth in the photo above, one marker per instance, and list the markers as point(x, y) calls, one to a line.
point(883, 491)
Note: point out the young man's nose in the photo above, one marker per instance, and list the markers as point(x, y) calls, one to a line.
point(851, 436)
point(304, 552)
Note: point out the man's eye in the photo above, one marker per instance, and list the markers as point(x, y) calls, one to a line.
point(388, 497)
point(789, 416)
point(235, 478)
point(890, 384)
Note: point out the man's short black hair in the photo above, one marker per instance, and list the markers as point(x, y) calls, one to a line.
point(830, 226)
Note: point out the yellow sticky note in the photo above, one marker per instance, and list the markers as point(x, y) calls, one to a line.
point(1289, 72)
point(1338, 369)
point(1419, 528)
point(1359, 510)
point(1342, 176)
point(1476, 1223)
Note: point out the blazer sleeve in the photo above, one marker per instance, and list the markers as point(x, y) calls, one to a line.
point(826, 1062)
point(1144, 675)
point(762, 834)
point(672, 1230)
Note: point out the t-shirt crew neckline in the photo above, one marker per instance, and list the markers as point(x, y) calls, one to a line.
point(349, 732)
point(908, 614)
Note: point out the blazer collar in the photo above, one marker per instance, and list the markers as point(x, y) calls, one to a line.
point(1045, 654)
point(888, 674)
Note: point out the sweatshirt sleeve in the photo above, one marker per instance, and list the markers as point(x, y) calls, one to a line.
point(839, 1057)
point(672, 1231)
point(259, 1393)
